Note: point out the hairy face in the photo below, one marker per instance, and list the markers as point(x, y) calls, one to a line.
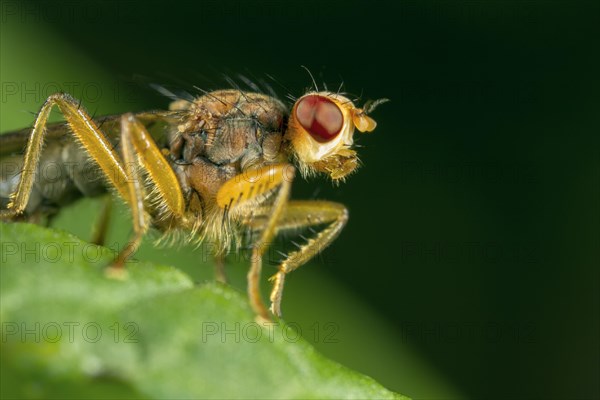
point(321, 129)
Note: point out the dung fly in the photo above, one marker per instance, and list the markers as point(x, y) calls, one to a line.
point(216, 167)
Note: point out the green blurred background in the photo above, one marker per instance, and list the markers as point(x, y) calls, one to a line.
point(469, 267)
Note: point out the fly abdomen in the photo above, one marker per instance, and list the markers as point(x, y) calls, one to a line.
point(64, 174)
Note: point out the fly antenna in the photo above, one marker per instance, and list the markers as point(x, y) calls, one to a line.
point(373, 104)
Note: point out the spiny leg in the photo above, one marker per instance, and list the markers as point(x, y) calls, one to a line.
point(87, 133)
point(136, 193)
point(239, 196)
point(139, 150)
point(96, 144)
point(304, 214)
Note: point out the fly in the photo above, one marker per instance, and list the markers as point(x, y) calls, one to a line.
point(215, 168)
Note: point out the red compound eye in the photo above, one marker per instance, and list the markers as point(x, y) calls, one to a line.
point(320, 117)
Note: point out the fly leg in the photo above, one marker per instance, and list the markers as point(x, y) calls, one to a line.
point(99, 234)
point(220, 268)
point(141, 153)
point(135, 195)
point(87, 133)
point(137, 146)
point(239, 196)
point(306, 214)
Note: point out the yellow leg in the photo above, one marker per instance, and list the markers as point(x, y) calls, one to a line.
point(240, 196)
point(148, 156)
point(304, 214)
point(87, 133)
point(140, 152)
point(135, 193)
point(138, 149)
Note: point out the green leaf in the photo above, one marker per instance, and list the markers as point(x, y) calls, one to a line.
point(69, 331)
